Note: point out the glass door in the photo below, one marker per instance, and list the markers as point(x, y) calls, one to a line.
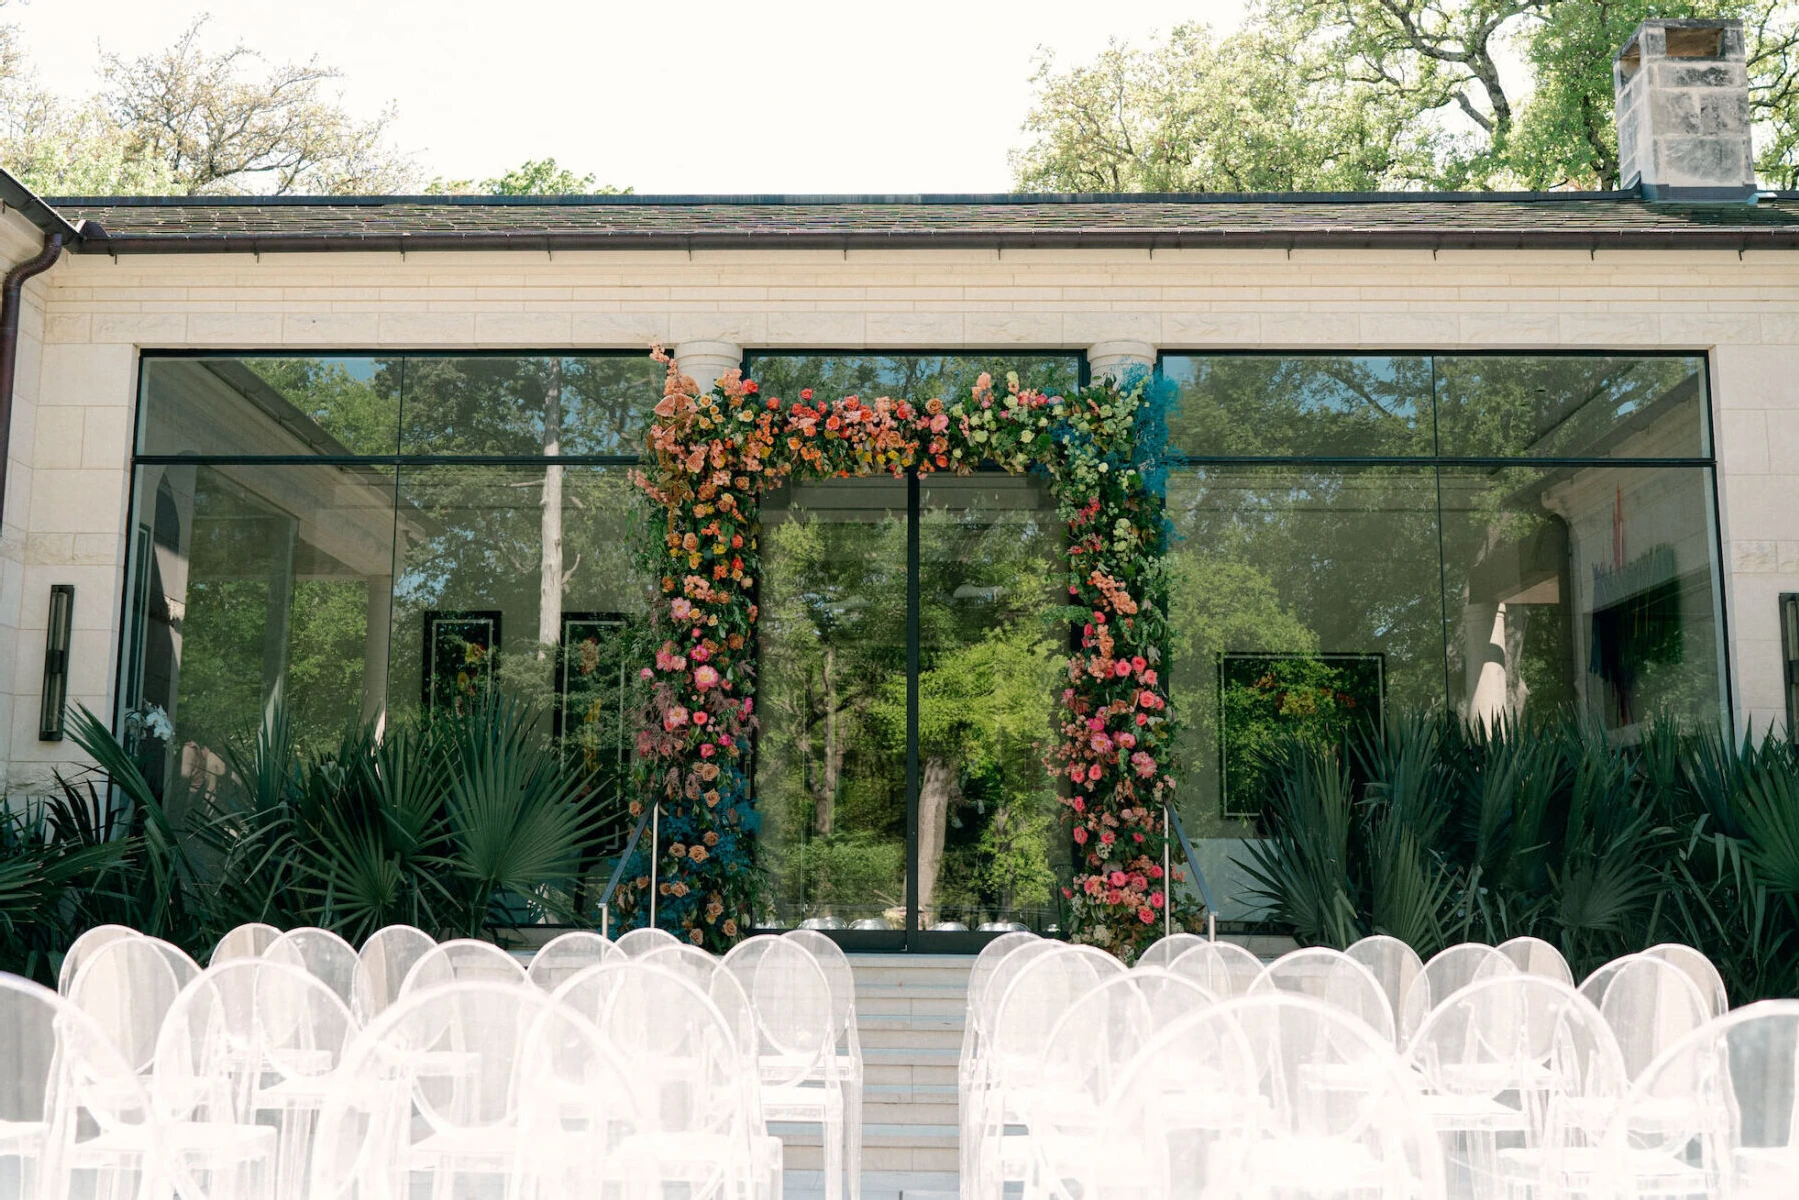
point(907, 679)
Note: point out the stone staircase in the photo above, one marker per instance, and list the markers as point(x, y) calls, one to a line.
point(909, 1010)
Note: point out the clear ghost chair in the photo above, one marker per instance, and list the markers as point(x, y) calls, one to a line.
point(703, 1128)
point(1014, 948)
point(565, 956)
point(847, 1060)
point(1700, 970)
point(381, 966)
point(1035, 997)
point(245, 941)
point(1650, 1004)
point(979, 973)
point(79, 950)
point(1534, 956)
point(537, 1104)
point(709, 973)
point(320, 953)
point(1165, 950)
point(1224, 969)
point(126, 987)
point(637, 942)
point(1333, 977)
point(1447, 972)
point(1086, 1053)
point(242, 1066)
point(1717, 1115)
point(180, 961)
point(797, 1042)
point(1521, 1075)
point(1394, 965)
point(75, 1120)
point(1273, 1095)
point(464, 960)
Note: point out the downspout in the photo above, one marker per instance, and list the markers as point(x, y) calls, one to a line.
point(10, 303)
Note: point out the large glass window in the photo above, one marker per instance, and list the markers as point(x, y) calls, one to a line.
point(323, 528)
point(1500, 555)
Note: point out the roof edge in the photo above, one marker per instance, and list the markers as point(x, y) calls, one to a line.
point(35, 209)
point(1318, 237)
point(822, 200)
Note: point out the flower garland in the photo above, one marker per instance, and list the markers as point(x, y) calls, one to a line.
point(715, 451)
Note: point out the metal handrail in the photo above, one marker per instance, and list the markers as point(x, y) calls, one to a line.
point(1172, 820)
point(651, 814)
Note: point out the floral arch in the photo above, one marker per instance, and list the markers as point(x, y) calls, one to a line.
point(712, 454)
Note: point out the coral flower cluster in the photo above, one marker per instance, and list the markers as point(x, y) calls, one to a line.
point(715, 450)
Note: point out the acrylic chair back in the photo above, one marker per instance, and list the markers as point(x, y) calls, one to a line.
point(1274, 1094)
point(387, 955)
point(1528, 1060)
point(65, 1093)
point(1447, 972)
point(86, 944)
point(1091, 1047)
point(1700, 970)
point(126, 987)
point(710, 975)
point(1224, 969)
point(634, 943)
point(1165, 950)
point(321, 953)
point(1650, 1004)
point(1333, 977)
point(1394, 965)
point(565, 956)
point(1717, 1115)
point(475, 1088)
point(464, 960)
point(1035, 998)
point(795, 1013)
point(245, 941)
point(1534, 956)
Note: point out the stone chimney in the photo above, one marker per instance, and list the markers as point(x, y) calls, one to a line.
point(1682, 90)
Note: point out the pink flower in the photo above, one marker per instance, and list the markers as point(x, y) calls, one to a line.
point(940, 422)
point(1118, 878)
point(700, 654)
point(705, 677)
point(700, 718)
point(1138, 662)
point(1101, 744)
point(1142, 719)
point(1155, 900)
point(1080, 837)
point(681, 608)
point(1144, 764)
point(1155, 872)
point(706, 750)
point(647, 673)
point(1096, 724)
point(1149, 677)
point(1094, 772)
point(1093, 886)
point(1146, 698)
point(1146, 914)
point(674, 718)
point(1107, 837)
point(1121, 668)
point(1127, 740)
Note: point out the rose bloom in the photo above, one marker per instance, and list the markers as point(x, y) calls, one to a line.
point(1146, 914)
point(700, 718)
point(939, 423)
point(700, 654)
point(1119, 878)
point(1080, 837)
point(674, 718)
point(706, 750)
point(705, 677)
point(680, 608)
point(1121, 668)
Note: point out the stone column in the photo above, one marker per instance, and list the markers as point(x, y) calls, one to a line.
point(1484, 667)
point(1114, 358)
point(707, 361)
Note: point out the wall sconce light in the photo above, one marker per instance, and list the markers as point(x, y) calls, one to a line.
point(56, 662)
point(1789, 656)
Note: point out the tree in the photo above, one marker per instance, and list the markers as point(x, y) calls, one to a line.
point(192, 121)
point(1336, 94)
point(533, 177)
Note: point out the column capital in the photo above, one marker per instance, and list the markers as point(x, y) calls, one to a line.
point(706, 361)
point(1114, 357)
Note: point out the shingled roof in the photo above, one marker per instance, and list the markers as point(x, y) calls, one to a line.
point(1583, 220)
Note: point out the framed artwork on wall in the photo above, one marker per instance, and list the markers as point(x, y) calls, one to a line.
point(592, 715)
point(1260, 695)
point(459, 646)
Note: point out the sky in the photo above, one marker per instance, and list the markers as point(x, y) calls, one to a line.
point(664, 96)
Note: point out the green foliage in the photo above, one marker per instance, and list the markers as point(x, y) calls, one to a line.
point(1361, 94)
point(457, 824)
point(1437, 832)
point(533, 177)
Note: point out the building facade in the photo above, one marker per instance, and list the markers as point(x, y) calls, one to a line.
point(1496, 454)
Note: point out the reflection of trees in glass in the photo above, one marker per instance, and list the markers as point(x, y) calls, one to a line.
point(348, 398)
point(915, 377)
point(1266, 700)
point(1256, 405)
point(1567, 404)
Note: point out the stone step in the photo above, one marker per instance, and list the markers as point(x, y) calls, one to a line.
point(883, 1064)
point(884, 1147)
point(911, 970)
point(878, 1185)
point(905, 1035)
point(930, 999)
point(909, 1104)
